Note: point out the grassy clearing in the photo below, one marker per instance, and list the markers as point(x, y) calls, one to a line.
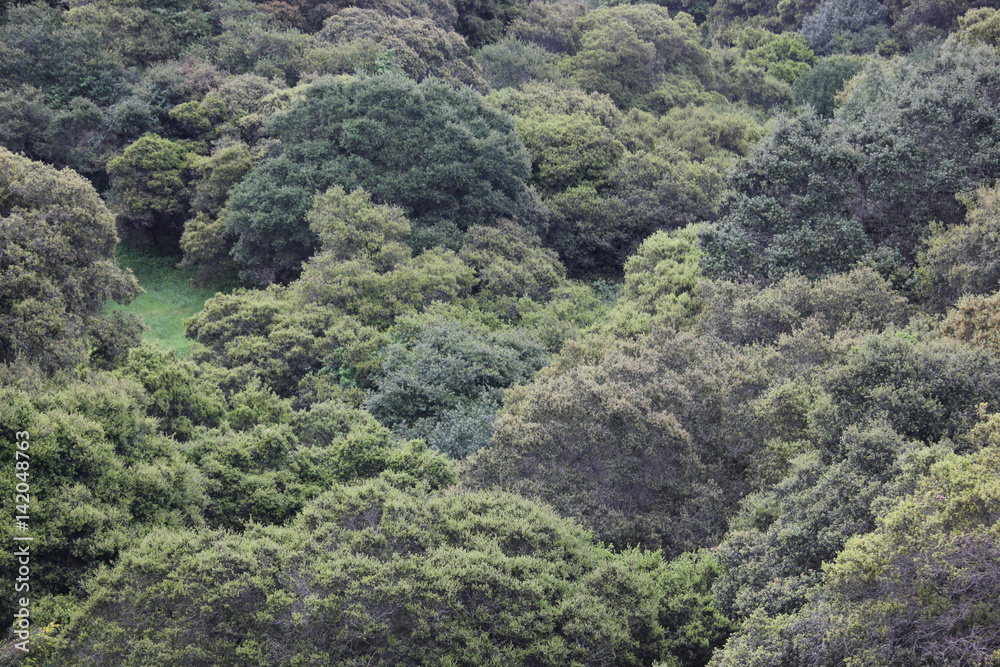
point(170, 297)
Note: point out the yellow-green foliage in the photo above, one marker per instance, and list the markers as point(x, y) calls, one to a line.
point(569, 149)
point(367, 41)
point(963, 259)
point(148, 185)
point(785, 56)
point(57, 267)
point(660, 281)
point(398, 577)
point(626, 51)
point(980, 25)
point(291, 346)
point(922, 588)
point(364, 270)
point(976, 319)
point(108, 475)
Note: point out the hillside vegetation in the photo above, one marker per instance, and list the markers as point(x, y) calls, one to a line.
point(500, 333)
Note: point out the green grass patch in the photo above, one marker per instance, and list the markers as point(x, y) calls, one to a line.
point(171, 297)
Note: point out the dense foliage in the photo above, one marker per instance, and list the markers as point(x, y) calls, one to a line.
point(58, 268)
point(436, 151)
point(529, 332)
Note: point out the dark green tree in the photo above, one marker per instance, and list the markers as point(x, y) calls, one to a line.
point(39, 47)
point(447, 373)
point(609, 442)
point(486, 21)
point(820, 85)
point(437, 152)
point(788, 208)
point(817, 197)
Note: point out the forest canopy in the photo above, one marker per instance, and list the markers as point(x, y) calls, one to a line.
point(500, 332)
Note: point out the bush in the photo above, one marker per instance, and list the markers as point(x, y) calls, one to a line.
point(448, 375)
point(377, 574)
point(383, 134)
point(835, 18)
point(58, 268)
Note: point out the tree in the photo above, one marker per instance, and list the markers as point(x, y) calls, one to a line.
point(551, 99)
point(363, 268)
point(57, 260)
point(611, 443)
point(447, 373)
point(865, 433)
point(203, 240)
point(179, 396)
point(934, 562)
point(149, 182)
point(39, 47)
point(861, 300)
point(821, 84)
point(271, 461)
point(484, 578)
point(679, 179)
point(551, 25)
point(694, 625)
point(980, 25)
point(109, 475)
point(919, 589)
point(926, 390)
point(974, 319)
point(311, 15)
point(626, 51)
point(834, 21)
point(512, 63)
point(785, 56)
point(418, 47)
point(770, 560)
point(914, 160)
point(788, 208)
point(294, 348)
point(25, 119)
point(437, 152)
point(727, 18)
point(250, 43)
point(150, 105)
point(569, 150)
point(660, 282)
point(484, 21)
point(960, 260)
point(916, 22)
point(611, 180)
point(816, 198)
point(511, 267)
point(145, 33)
